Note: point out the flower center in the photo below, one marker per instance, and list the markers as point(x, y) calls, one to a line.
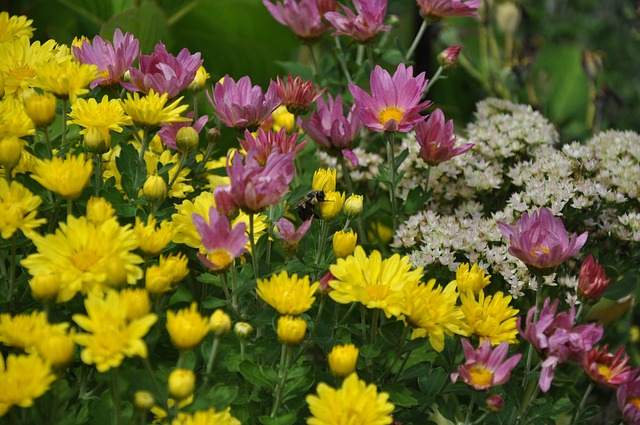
point(83, 260)
point(377, 292)
point(604, 371)
point(480, 376)
point(22, 73)
point(388, 114)
point(537, 250)
point(220, 258)
point(635, 401)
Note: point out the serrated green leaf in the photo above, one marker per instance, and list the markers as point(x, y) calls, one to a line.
point(400, 395)
point(431, 384)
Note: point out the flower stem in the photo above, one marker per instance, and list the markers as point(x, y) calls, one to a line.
point(97, 171)
point(472, 403)
point(416, 40)
point(433, 79)
point(576, 417)
point(535, 319)
point(183, 159)
point(324, 230)
point(154, 383)
point(369, 51)
point(212, 357)
point(12, 269)
point(269, 232)
point(69, 207)
point(63, 143)
point(341, 60)
point(141, 171)
point(285, 362)
point(254, 260)
point(396, 357)
point(392, 184)
point(115, 382)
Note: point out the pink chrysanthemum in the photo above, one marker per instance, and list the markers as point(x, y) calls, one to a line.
point(435, 10)
point(112, 59)
point(485, 367)
point(394, 103)
point(436, 139)
point(222, 243)
point(169, 131)
point(265, 142)
point(163, 72)
point(541, 241)
point(592, 281)
point(605, 368)
point(628, 396)
point(241, 105)
point(289, 235)
point(302, 17)
point(364, 26)
point(297, 95)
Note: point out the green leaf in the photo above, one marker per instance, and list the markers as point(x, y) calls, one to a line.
point(221, 396)
point(370, 351)
point(147, 23)
point(286, 419)
point(400, 158)
point(259, 375)
point(400, 395)
point(431, 384)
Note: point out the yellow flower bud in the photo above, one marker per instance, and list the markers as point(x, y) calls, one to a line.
point(41, 108)
point(507, 17)
point(344, 243)
point(199, 80)
point(324, 180)
point(97, 141)
point(155, 189)
point(117, 275)
point(156, 281)
point(187, 139)
point(220, 323)
point(342, 359)
point(45, 286)
point(10, 152)
point(135, 302)
point(291, 330)
point(99, 210)
point(181, 383)
point(472, 279)
point(187, 327)
point(57, 349)
point(243, 330)
point(353, 206)
point(143, 400)
point(332, 205)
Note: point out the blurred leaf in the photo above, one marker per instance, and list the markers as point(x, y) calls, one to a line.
point(432, 383)
point(147, 23)
point(286, 419)
point(400, 395)
point(258, 375)
point(370, 351)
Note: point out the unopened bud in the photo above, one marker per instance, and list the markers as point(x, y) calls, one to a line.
point(143, 400)
point(97, 141)
point(353, 206)
point(199, 80)
point(448, 58)
point(243, 330)
point(591, 63)
point(41, 108)
point(155, 189)
point(495, 403)
point(10, 152)
point(187, 139)
point(213, 135)
point(507, 17)
point(181, 383)
point(220, 323)
point(45, 286)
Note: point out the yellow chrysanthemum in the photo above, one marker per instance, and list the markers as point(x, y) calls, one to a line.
point(372, 281)
point(432, 312)
point(106, 116)
point(289, 295)
point(135, 302)
point(332, 205)
point(153, 239)
point(110, 335)
point(66, 177)
point(490, 317)
point(354, 403)
point(57, 345)
point(163, 277)
point(186, 231)
point(22, 330)
point(472, 279)
point(324, 179)
point(14, 27)
point(206, 417)
point(282, 118)
point(187, 327)
point(291, 330)
point(342, 359)
point(86, 256)
point(67, 79)
point(19, 209)
point(99, 210)
point(150, 111)
point(14, 121)
point(19, 60)
point(22, 379)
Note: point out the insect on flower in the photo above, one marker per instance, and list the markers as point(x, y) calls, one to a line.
point(306, 206)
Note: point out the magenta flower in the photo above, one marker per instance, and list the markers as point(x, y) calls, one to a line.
point(628, 396)
point(265, 142)
point(448, 58)
point(556, 339)
point(329, 127)
point(541, 241)
point(394, 103)
point(222, 242)
point(163, 72)
point(253, 186)
point(241, 105)
point(224, 202)
point(302, 17)
point(592, 281)
point(436, 139)
point(289, 235)
point(485, 367)
point(605, 368)
point(364, 26)
point(169, 131)
point(435, 10)
point(112, 60)
point(297, 95)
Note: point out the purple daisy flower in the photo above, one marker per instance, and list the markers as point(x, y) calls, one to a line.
point(438, 9)
point(485, 367)
point(265, 142)
point(436, 139)
point(222, 243)
point(364, 26)
point(302, 17)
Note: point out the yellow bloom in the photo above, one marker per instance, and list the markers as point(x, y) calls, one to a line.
point(291, 330)
point(342, 359)
point(19, 209)
point(372, 281)
point(99, 210)
point(220, 323)
point(381, 232)
point(110, 335)
point(288, 295)
point(164, 276)
point(282, 118)
point(473, 280)
point(143, 400)
point(153, 240)
point(325, 180)
point(66, 177)
point(344, 243)
point(353, 206)
point(14, 27)
point(106, 116)
point(45, 286)
point(67, 79)
point(41, 108)
point(56, 345)
point(22, 330)
point(23, 379)
point(206, 417)
point(19, 60)
point(135, 302)
point(187, 327)
point(354, 403)
point(86, 256)
point(332, 205)
point(490, 317)
point(14, 121)
point(149, 111)
point(432, 312)
point(200, 79)
point(10, 152)
point(181, 383)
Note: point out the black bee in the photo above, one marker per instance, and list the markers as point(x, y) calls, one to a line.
point(306, 206)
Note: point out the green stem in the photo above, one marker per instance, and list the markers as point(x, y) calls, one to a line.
point(69, 207)
point(405, 360)
point(154, 383)
point(97, 172)
point(183, 159)
point(392, 184)
point(203, 164)
point(531, 393)
point(47, 138)
point(254, 260)
point(212, 357)
point(12, 269)
point(270, 231)
point(416, 40)
point(576, 417)
point(472, 403)
point(141, 171)
point(346, 315)
point(115, 381)
point(396, 357)
point(181, 358)
point(285, 361)
point(369, 51)
point(314, 63)
point(433, 79)
point(374, 325)
point(324, 230)
point(342, 61)
point(535, 320)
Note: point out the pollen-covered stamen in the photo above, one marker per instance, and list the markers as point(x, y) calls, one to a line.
point(480, 376)
point(388, 114)
point(220, 258)
point(537, 250)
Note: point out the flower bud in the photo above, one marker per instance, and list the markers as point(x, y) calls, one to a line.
point(495, 403)
point(99, 210)
point(187, 139)
point(143, 400)
point(97, 141)
point(342, 359)
point(10, 152)
point(332, 205)
point(592, 281)
point(344, 243)
point(353, 206)
point(41, 108)
point(181, 383)
point(155, 189)
point(448, 58)
point(291, 330)
point(224, 203)
point(591, 63)
point(507, 17)
point(243, 330)
point(57, 349)
point(324, 287)
point(220, 323)
point(135, 302)
point(45, 286)
point(213, 135)
point(199, 80)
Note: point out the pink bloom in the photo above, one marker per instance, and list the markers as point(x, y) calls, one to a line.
point(241, 105)
point(592, 281)
point(265, 142)
point(435, 10)
point(163, 72)
point(556, 339)
point(394, 103)
point(289, 235)
point(324, 286)
point(364, 26)
point(224, 202)
point(485, 367)
point(628, 396)
point(495, 403)
point(112, 60)
point(302, 17)
point(541, 241)
point(436, 139)
point(448, 58)
point(253, 186)
point(605, 368)
point(329, 128)
point(297, 95)
point(168, 132)
point(222, 242)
